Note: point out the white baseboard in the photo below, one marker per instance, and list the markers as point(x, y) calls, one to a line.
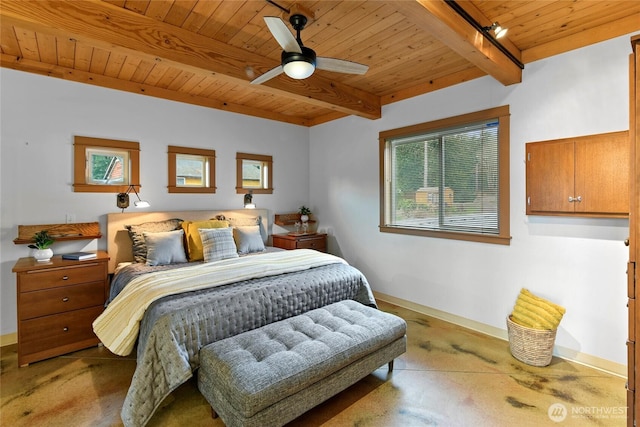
point(559, 351)
point(8, 339)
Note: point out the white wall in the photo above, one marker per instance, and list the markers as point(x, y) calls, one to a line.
point(579, 263)
point(576, 262)
point(41, 115)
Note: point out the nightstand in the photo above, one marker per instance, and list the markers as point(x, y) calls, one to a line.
point(58, 301)
point(317, 241)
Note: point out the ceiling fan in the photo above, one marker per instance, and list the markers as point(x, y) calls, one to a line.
point(299, 61)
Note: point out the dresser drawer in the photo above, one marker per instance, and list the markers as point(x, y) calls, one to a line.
point(61, 276)
point(304, 241)
point(58, 330)
point(315, 243)
point(61, 299)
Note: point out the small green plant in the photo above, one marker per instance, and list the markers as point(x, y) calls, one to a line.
point(42, 240)
point(304, 210)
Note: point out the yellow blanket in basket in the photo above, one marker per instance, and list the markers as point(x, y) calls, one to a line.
point(535, 312)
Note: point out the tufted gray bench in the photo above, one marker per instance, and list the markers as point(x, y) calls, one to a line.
point(273, 374)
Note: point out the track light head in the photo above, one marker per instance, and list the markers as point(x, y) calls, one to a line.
point(497, 29)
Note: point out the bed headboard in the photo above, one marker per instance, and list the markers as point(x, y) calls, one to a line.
point(119, 243)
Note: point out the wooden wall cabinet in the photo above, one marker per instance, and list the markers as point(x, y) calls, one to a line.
point(583, 176)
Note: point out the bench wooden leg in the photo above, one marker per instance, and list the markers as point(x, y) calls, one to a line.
point(391, 366)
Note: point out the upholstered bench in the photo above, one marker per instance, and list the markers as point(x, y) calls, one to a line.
point(273, 374)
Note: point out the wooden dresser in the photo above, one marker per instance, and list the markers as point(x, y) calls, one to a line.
point(317, 241)
point(57, 303)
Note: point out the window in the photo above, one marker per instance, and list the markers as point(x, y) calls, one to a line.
point(448, 178)
point(254, 172)
point(191, 170)
point(105, 165)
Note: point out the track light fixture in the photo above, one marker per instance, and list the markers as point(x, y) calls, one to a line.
point(498, 30)
point(493, 39)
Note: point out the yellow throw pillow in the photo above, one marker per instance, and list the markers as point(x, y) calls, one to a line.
point(194, 241)
point(535, 312)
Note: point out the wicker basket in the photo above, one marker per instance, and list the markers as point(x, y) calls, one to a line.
point(531, 346)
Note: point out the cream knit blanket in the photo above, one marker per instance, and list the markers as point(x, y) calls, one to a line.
point(118, 326)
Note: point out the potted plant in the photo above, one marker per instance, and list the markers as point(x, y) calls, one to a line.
point(304, 213)
point(41, 243)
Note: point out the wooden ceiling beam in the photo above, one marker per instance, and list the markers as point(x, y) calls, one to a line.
point(440, 20)
point(119, 30)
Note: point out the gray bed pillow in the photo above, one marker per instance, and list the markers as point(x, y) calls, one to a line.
point(135, 232)
point(165, 247)
point(247, 221)
point(218, 244)
point(248, 239)
point(244, 221)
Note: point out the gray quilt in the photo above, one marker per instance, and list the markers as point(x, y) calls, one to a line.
point(176, 327)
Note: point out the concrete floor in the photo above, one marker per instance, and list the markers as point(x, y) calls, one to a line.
point(449, 376)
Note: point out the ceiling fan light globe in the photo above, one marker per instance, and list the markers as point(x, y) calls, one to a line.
point(299, 65)
point(299, 69)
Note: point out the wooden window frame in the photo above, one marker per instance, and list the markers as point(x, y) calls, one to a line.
point(210, 155)
point(267, 160)
point(80, 163)
point(502, 115)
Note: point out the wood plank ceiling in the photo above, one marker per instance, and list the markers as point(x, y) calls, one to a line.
point(206, 52)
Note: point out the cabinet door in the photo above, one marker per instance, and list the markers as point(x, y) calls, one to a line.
point(550, 172)
point(602, 174)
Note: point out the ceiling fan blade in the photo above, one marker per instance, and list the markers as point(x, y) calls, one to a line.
point(268, 75)
point(340, 66)
point(282, 34)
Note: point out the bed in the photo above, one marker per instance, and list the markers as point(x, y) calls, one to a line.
point(167, 312)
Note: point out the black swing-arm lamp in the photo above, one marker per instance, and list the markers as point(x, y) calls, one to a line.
point(122, 199)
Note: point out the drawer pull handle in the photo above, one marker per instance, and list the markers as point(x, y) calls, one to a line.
point(65, 299)
point(65, 277)
point(66, 329)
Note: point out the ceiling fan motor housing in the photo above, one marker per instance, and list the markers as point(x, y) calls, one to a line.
point(307, 55)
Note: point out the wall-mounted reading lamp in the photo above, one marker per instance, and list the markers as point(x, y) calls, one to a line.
point(122, 199)
point(248, 201)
